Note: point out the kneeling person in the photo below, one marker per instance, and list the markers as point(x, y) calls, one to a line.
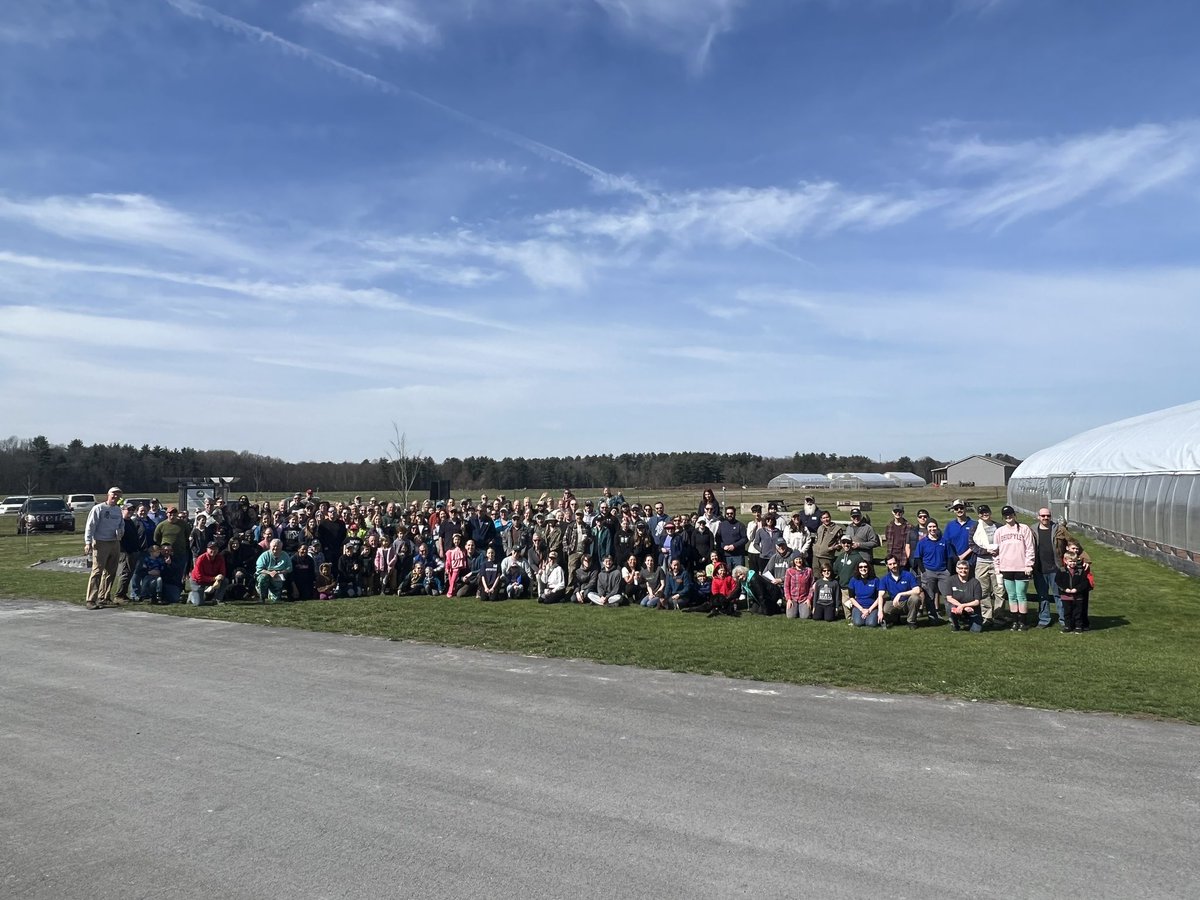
point(964, 600)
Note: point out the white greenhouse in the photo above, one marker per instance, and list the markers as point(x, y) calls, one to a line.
point(857, 481)
point(796, 481)
point(905, 479)
point(1134, 484)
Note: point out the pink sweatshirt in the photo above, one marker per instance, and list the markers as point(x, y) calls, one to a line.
point(1014, 548)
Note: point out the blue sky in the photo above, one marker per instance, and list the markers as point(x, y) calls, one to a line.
point(531, 227)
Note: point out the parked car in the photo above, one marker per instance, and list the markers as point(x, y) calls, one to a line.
point(81, 502)
point(12, 504)
point(45, 514)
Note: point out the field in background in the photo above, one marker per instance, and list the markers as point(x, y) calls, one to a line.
point(1139, 659)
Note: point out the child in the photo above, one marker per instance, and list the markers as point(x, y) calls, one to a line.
point(1074, 588)
point(349, 569)
point(845, 567)
point(798, 589)
point(826, 596)
point(325, 585)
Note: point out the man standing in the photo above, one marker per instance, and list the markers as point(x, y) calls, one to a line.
point(896, 536)
point(958, 535)
point(102, 541)
point(825, 542)
point(863, 539)
point(731, 538)
point(991, 584)
point(173, 532)
point(934, 554)
point(132, 540)
point(1045, 567)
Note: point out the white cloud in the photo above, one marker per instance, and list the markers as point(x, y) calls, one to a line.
point(130, 219)
point(395, 23)
point(281, 296)
point(1005, 182)
point(687, 27)
point(742, 215)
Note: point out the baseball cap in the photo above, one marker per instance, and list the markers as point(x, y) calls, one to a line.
point(1008, 511)
point(983, 508)
point(856, 511)
point(780, 542)
point(898, 508)
point(956, 504)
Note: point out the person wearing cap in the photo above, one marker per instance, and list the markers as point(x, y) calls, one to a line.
point(916, 531)
point(102, 543)
point(863, 538)
point(958, 534)
point(810, 513)
point(845, 567)
point(1014, 560)
point(173, 532)
point(774, 573)
point(896, 536)
point(991, 585)
point(208, 576)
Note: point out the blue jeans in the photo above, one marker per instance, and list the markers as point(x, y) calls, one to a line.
point(856, 617)
point(972, 618)
point(1047, 589)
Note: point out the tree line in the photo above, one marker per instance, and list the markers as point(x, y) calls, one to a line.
point(35, 465)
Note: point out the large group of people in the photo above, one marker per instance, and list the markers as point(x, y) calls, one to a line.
point(972, 573)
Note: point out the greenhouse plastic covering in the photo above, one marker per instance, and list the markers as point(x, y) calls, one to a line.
point(1158, 442)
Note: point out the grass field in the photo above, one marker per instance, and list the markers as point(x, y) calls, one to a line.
point(1140, 658)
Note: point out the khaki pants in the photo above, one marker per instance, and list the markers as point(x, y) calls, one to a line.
point(105, 557)
point(993, 590)
point(909, 607)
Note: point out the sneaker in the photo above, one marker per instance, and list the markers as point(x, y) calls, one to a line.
point(116, 601)
point(106, 604)
point(91, 604)
point(1016, 626)
point(912, 625)
point(1067, 630)
point(1079, 631)
point(1043, 624)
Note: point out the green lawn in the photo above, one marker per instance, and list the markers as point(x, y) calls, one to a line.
point(1140, 657)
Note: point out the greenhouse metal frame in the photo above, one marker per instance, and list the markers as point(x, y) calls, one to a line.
point(1134, 484)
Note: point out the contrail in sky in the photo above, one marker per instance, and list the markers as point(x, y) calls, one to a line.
point(607, 180)
point(616, 183)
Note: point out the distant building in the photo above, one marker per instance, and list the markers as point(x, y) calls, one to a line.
point(796, 481)
point(981, 471)
point(858, 481)
point(905, 479)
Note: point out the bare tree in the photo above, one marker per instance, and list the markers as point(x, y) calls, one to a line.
point(404, 465)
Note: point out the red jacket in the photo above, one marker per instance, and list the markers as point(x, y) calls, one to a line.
point(206, 569)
